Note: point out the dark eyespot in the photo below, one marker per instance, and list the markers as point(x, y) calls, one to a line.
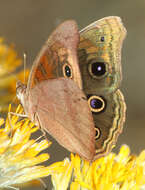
point(97, 104)
point(67, 71)
point(102, 39)
point(97, 69)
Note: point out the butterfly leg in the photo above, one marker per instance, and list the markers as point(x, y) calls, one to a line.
point(18, 114)
point(9, 119)
point(36, 118)
point(10, 123)
point(43, 183)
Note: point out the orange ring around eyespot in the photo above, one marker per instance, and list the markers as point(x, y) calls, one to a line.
point(96, 110)
point(99, 133)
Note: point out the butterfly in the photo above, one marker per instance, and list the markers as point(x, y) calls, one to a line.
point(73, 87)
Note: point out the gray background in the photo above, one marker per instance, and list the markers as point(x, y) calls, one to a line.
point(28, 23)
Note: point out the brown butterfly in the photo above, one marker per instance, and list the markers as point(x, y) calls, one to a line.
point(72, 91)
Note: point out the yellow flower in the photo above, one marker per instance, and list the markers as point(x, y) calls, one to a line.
point(20, 156)
point(9, 60)
point(9, 63)
point(113, 172)
point(62, 172)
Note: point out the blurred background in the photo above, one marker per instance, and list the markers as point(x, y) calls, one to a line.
point(27, 24)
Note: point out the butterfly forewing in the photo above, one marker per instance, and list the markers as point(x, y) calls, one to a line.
point(101, 42)
point(54, 99)
point(58, 51)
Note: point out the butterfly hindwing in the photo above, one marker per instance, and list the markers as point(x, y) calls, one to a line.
point(109, 122)
point(99, 60)
point(62, 110)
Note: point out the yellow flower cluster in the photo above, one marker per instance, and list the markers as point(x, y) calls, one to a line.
point(20, 158)
point(9, 60)
point(9, 63)
point(19, 155)
point(113, 172)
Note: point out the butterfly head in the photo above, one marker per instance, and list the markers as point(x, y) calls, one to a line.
point(20, 91)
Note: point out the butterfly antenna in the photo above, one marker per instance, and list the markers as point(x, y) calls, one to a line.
point(24, 67)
